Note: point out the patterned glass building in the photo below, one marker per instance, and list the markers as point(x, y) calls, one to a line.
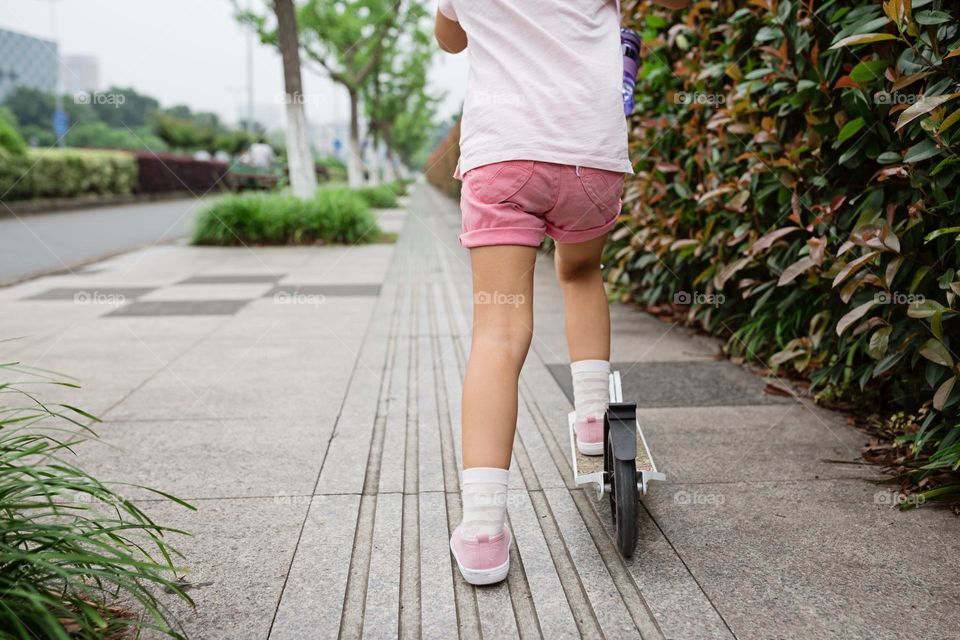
point(26, 61)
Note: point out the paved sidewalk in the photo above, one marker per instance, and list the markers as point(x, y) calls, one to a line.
point(306, 401)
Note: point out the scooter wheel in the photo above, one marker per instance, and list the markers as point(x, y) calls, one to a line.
point(623, 504)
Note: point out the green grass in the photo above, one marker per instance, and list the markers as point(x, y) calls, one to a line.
point(333, 215)
point(77, 559)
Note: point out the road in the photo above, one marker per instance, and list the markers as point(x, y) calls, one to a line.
point(31, 245)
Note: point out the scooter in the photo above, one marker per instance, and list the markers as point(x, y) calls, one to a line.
point(625, 469)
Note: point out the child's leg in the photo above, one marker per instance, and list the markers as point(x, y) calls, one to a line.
point(585, 308)
point(502, 330)
point(587, 317)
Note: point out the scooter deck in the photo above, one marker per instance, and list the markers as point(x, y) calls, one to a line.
point(589, 469)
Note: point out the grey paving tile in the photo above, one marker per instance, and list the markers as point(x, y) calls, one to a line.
point(313, 596)
point(552, 609)
point(753, 443)
point(381, 612)
point(683, 384)
point(438, 616)
point(205, 292)
point(237, 558)
point(180, 308)
point(237, 278)
point(273, 458)
point(611, 612)
point(90, 295)
point(331, 290)
point(816, 559)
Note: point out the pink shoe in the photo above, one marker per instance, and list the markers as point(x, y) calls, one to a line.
point(485, 560)
point(590, 436)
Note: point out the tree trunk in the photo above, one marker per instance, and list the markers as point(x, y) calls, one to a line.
point(355, 155)
point(303, 180)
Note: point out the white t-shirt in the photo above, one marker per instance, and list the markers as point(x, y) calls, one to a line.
point(544, 82)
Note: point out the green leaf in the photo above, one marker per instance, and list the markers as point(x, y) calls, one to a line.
point(924, 309)
point(868, 71)
point(921, 151)
point(932, 17)
point(850, 129)
point(943, 393)
point(863, 38)
point(940, 232)
point(934, 351)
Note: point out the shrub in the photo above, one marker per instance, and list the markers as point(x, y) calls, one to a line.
point(58, 173)
point(333, 215)
point(382, 197)
point(74, 553)
point(10, 139)
point(167, 172)
point(802, 163)
point(399, 187)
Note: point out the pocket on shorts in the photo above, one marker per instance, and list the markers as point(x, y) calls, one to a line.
point(497, 182)
point(604, 189)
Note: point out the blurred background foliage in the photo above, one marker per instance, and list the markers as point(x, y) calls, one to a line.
point(800, 157)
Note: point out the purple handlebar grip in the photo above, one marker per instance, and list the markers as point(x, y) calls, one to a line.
point(630, 48)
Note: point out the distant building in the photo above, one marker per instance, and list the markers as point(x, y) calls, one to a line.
point(26, 61)
point(80, 73)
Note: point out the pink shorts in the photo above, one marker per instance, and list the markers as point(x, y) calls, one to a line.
point(520, 201)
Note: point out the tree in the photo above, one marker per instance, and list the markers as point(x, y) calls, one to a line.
point(348, 39)
point(399, 106)
point(285, 36)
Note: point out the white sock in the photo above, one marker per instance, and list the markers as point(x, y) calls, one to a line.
point(591, 387)
point(484, 500)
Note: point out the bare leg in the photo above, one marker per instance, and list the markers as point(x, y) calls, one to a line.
point(586, 312)
point(502, 330)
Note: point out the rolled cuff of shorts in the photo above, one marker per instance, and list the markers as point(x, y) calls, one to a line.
point(501, 235)
point(580, 235)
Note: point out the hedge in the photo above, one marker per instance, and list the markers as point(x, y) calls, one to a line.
point(795, 192)
point(58, 173)
point(332, 215)
point(443, 162)
point(167, 172)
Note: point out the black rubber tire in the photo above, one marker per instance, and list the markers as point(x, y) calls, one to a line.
point(623, 495)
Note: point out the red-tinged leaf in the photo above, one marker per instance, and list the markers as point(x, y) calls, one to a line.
point(846, 246)
point(766, 241)
point(863, 38)
point(891, 271)
point(943, 393)
point(817, 249)
point(728, 271)
point(836, 203)
point(953, 54)
point(906, 81)
point(854, 266)
point(846, 82)
point(790, 273)
point(934, 351)
point(854, 315)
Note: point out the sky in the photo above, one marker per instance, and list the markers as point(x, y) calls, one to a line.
point(192, 52)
